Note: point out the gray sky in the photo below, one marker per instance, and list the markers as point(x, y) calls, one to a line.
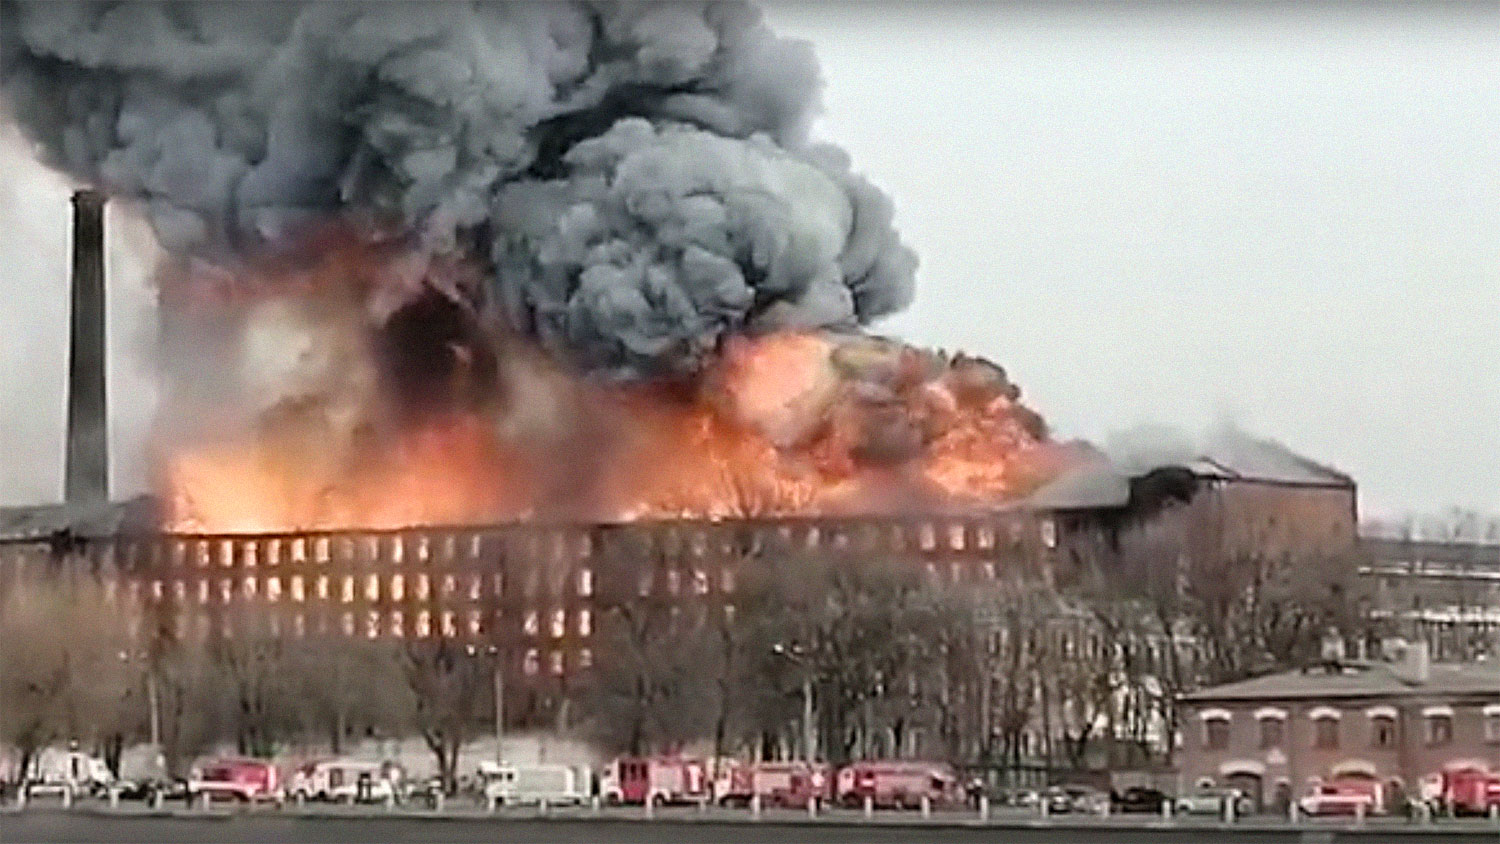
point(1289, 220)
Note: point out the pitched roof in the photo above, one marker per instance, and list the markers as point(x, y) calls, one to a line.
point(1359, 680)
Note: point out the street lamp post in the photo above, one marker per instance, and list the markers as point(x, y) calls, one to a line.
point(794, 655)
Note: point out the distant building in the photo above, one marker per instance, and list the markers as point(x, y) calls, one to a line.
point(1444, 593)
point(1399, 722)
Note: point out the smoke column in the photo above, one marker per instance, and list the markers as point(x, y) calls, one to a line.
point(636, 178)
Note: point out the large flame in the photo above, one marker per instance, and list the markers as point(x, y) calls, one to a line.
point(305, 429)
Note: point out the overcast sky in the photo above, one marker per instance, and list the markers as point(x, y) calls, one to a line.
point(1285, 219)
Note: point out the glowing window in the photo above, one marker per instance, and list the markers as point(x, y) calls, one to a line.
point(424, 548)
point(249, 588)
point(398, 620)
point(926, 537)
point(372, 548)
point(989, 571)
point(346, 623)
point(586, 626)
point(585, 658)
point(320, 549)
point(200, 552)
point(299, 625)
point(532, 662)
point(372, 587)
point(298, 594)
point(226, 590)
point(252, 554)
point(424, 587)
point(585, 582)
point(474, 546)
point(956, 537)
point(424, 624)
point(474, 622)
point(299, 550)
point(322, 587)
point(813, 536)
point(449, 628)
point(700, 581)
point(450, 585)
point(476, 584)
point(273, 589)
point(179, 590)
point(273, 552)
point(585, 546)
point(450, 543)
point(985, 537)
point(530, 625)
point(226, 552)
point(372, 624)
point(398, 550)
point(674, 581)
point(726, 580)
point(559, 623)
point(557, 662)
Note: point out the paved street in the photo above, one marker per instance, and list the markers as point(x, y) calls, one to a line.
point(340, 825)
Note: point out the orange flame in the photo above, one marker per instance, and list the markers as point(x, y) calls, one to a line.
point(793, 423)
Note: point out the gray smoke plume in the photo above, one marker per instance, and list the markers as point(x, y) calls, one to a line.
point(638, 174)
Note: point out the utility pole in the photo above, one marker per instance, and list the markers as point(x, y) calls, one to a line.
point(499, 688)
point(809, 735)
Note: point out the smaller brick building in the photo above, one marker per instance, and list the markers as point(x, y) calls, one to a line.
point(1399, 722)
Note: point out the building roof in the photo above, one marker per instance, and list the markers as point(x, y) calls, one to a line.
point(43, 521)
point(1098, 481)
point(1359, 680)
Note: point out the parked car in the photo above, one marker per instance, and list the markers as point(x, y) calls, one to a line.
point(1344, 797)
point(898, 784)
point(1056, 800)
point(1086, 799)
point(1212, 801)
point(243, 780)
point(146, 789)
point(347, 781)
point(550, 785)
point(1139, 799)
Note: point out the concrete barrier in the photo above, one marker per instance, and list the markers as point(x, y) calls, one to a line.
point(984, 808)
point(812, 807)
point(926, 807)
point(869, 807)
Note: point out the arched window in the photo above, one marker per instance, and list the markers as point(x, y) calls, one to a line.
point(1382, 727)
point(1215, 729)
point(1325, 728)
point(1439, 725)
point(1272, 726)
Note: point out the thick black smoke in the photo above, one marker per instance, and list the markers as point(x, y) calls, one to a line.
point(638, 174)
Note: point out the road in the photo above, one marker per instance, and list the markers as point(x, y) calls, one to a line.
point(55, 825)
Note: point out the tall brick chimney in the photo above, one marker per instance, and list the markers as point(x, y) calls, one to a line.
point(87, 462)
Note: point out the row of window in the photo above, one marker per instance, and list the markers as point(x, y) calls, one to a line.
point(1437, 726)
point(552, 546)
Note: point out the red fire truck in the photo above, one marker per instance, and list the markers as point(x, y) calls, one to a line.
point(777, 783)
point(1464, 790)
point(661, 779)
point(897, 784)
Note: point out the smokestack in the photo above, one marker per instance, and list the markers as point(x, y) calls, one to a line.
point(87, 478)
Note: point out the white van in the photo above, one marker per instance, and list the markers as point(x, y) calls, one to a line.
point(347, 781)
point(54, 770)
point(552, 785)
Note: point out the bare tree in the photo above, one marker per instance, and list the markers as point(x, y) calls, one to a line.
point(61, 672)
